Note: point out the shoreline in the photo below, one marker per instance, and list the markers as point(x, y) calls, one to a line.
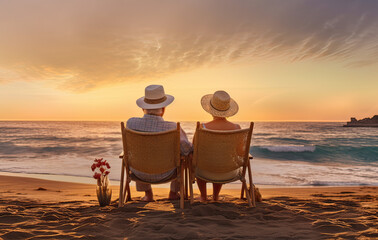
point(30, 184)
point(90, 180)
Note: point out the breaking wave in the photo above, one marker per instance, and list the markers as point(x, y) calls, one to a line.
point(319, 153)
point(289, 148)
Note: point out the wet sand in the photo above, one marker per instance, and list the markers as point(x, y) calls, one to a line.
point(42, 209)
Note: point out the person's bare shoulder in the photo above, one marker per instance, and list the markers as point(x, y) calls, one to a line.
point(237, 126)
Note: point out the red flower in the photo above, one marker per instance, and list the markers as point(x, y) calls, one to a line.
point(97, 176)
point(99, 163)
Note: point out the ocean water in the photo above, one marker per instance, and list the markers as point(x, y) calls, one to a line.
point(285, 153)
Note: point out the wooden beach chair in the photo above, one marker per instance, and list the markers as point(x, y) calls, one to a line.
point(152, 153)
point(219, 152)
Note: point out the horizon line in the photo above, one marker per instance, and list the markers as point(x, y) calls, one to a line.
point(117, 120)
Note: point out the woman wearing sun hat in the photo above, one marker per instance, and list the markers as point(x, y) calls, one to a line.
point(220, 105)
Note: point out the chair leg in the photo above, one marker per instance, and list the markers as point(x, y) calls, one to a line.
point(124, 193)
point(248, 195)
point(120, 199)
point(186, 183)
point(251, 186)
point(191, 186)
point(182, 186)
point(251, 192)
point(127, 192)
point(243, 188)
point(128, 197)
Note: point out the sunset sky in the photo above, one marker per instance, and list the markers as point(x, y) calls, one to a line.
point(280, 60)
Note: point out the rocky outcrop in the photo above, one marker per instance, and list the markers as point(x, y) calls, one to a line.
point(366, 122)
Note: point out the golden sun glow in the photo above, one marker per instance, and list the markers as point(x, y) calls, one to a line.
point(93, 63)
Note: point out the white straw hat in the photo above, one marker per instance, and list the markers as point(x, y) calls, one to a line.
point(219, 104)
point(154, 98)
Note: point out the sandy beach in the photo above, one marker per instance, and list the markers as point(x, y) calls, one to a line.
point(42, 209)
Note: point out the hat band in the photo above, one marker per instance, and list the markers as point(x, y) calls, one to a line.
point(155, 101)
point(211, 104)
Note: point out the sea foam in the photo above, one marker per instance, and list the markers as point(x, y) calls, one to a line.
point(289, 148)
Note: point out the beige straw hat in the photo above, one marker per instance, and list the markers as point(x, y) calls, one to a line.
point(219, 104)
point(154, 98)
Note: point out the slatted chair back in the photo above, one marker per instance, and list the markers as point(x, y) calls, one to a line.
point(152, 152)
point(221, 151)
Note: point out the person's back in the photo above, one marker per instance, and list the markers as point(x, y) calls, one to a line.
point(153, 121)
point(150, 123)
point(221, 124)
point(220, 106)
point(153, 105)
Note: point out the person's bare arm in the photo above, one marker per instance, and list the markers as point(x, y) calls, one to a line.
point(185, 145)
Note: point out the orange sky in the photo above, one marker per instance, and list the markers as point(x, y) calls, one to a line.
point(87, 60)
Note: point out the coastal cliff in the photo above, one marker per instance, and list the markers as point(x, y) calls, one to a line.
point(366, 122)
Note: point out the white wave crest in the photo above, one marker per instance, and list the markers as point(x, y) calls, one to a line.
point(290, 148)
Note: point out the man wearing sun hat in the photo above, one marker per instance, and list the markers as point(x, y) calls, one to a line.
point(153, 104)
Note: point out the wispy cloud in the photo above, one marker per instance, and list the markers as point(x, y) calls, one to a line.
point(80, 45)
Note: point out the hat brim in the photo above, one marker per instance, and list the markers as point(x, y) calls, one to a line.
point(142, 104)
point(205, 102)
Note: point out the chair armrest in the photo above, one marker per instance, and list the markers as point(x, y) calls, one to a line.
point(121, 155)
point(250, 156)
